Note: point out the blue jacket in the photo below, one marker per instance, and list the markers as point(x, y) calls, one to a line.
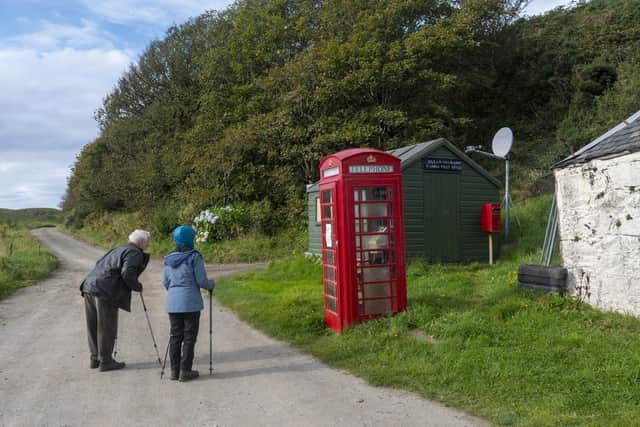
point(183, 276)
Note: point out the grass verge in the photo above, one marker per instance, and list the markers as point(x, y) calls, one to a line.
point(22, 259)
point(469, 338)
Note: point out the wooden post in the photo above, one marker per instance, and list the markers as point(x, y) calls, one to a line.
point(490, 248)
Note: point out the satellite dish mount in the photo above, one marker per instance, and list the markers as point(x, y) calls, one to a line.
point(501, 147)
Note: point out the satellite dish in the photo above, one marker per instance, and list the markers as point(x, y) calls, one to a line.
point(502, 142)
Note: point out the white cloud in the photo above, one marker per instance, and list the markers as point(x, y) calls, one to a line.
point(51, 36)
point(9, 167)
point(48, 99)
point(51, 82)
point(163, 12)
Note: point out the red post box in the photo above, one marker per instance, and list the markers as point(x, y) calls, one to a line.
point(490, 218)
point(490, 223)
point(362, 236)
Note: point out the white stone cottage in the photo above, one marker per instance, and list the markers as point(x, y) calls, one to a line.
point(598, 195)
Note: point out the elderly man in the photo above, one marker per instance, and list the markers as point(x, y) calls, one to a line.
point(106, 289)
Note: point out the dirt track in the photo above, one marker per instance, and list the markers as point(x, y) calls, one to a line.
point(257, 381)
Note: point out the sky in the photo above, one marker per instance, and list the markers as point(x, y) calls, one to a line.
point(58, 60)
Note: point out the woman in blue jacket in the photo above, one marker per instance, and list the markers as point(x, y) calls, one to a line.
point(183, 276)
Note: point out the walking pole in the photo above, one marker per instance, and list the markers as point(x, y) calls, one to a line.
point(164, 362)
point(210, 335)
point(150, 330)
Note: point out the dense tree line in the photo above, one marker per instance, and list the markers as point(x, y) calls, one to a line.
point(240, 105)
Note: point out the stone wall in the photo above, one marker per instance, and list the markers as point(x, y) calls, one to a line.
point(599, 224)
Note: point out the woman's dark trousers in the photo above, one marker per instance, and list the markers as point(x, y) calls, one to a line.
point(184, 332)
point(102, 327)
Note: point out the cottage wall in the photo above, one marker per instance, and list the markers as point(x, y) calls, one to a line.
point(599, 224)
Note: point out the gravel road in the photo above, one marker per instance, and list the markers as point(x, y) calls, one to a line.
point(257, 381)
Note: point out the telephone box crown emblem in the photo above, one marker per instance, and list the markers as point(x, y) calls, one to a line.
point(371, 158)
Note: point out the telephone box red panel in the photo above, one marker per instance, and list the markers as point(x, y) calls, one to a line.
point(362, 233)
point(490, 218)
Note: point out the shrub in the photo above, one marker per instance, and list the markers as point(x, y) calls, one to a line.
point(220, 223)
point(262, 218)
point(75, 218)
point(164, 220)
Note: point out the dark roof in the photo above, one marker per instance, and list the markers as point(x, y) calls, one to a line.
point(618, 141)
point(412, 153)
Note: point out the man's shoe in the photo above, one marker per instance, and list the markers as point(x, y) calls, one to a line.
point(93, 364)
point(175, 375)
point(188, 375)
point(111, 366)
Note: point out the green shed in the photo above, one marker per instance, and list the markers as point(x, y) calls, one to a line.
point(443, 190)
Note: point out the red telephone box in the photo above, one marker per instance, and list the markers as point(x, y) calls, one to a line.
point(362, 236)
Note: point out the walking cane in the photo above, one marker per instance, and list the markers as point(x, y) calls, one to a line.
point(210, 334)
point(150, 330)
point(164, 362)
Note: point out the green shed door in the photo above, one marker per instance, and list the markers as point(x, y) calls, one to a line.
point(442, 239)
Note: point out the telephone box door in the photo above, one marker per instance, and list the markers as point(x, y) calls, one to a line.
point(378, 233)
point(330, 274)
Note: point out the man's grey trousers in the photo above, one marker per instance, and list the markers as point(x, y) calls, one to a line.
point(102, 327)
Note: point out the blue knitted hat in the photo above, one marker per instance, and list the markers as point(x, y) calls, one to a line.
point(183, 235)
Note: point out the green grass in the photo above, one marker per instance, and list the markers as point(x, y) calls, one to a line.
point(22, 260)
point(110, 230)
point(511, 356)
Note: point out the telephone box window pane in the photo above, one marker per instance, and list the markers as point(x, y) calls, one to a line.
point(391, 242)
point(374, 193)
point(379, 193)
point(330, 274)
point(326, 196)
point(331, 289)
point(377, 257)
point(329, 258)
point(376, 241)
point(318, 210)
point(376, 290)
point(331, 304)
point(379, 306)
point(376, 274)
point(327, 212)
point(374, 209)
point(377, 225)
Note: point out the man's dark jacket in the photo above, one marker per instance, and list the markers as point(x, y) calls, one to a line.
point(116, 275)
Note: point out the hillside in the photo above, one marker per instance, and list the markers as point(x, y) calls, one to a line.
point(240, 106)
point(31, 217)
